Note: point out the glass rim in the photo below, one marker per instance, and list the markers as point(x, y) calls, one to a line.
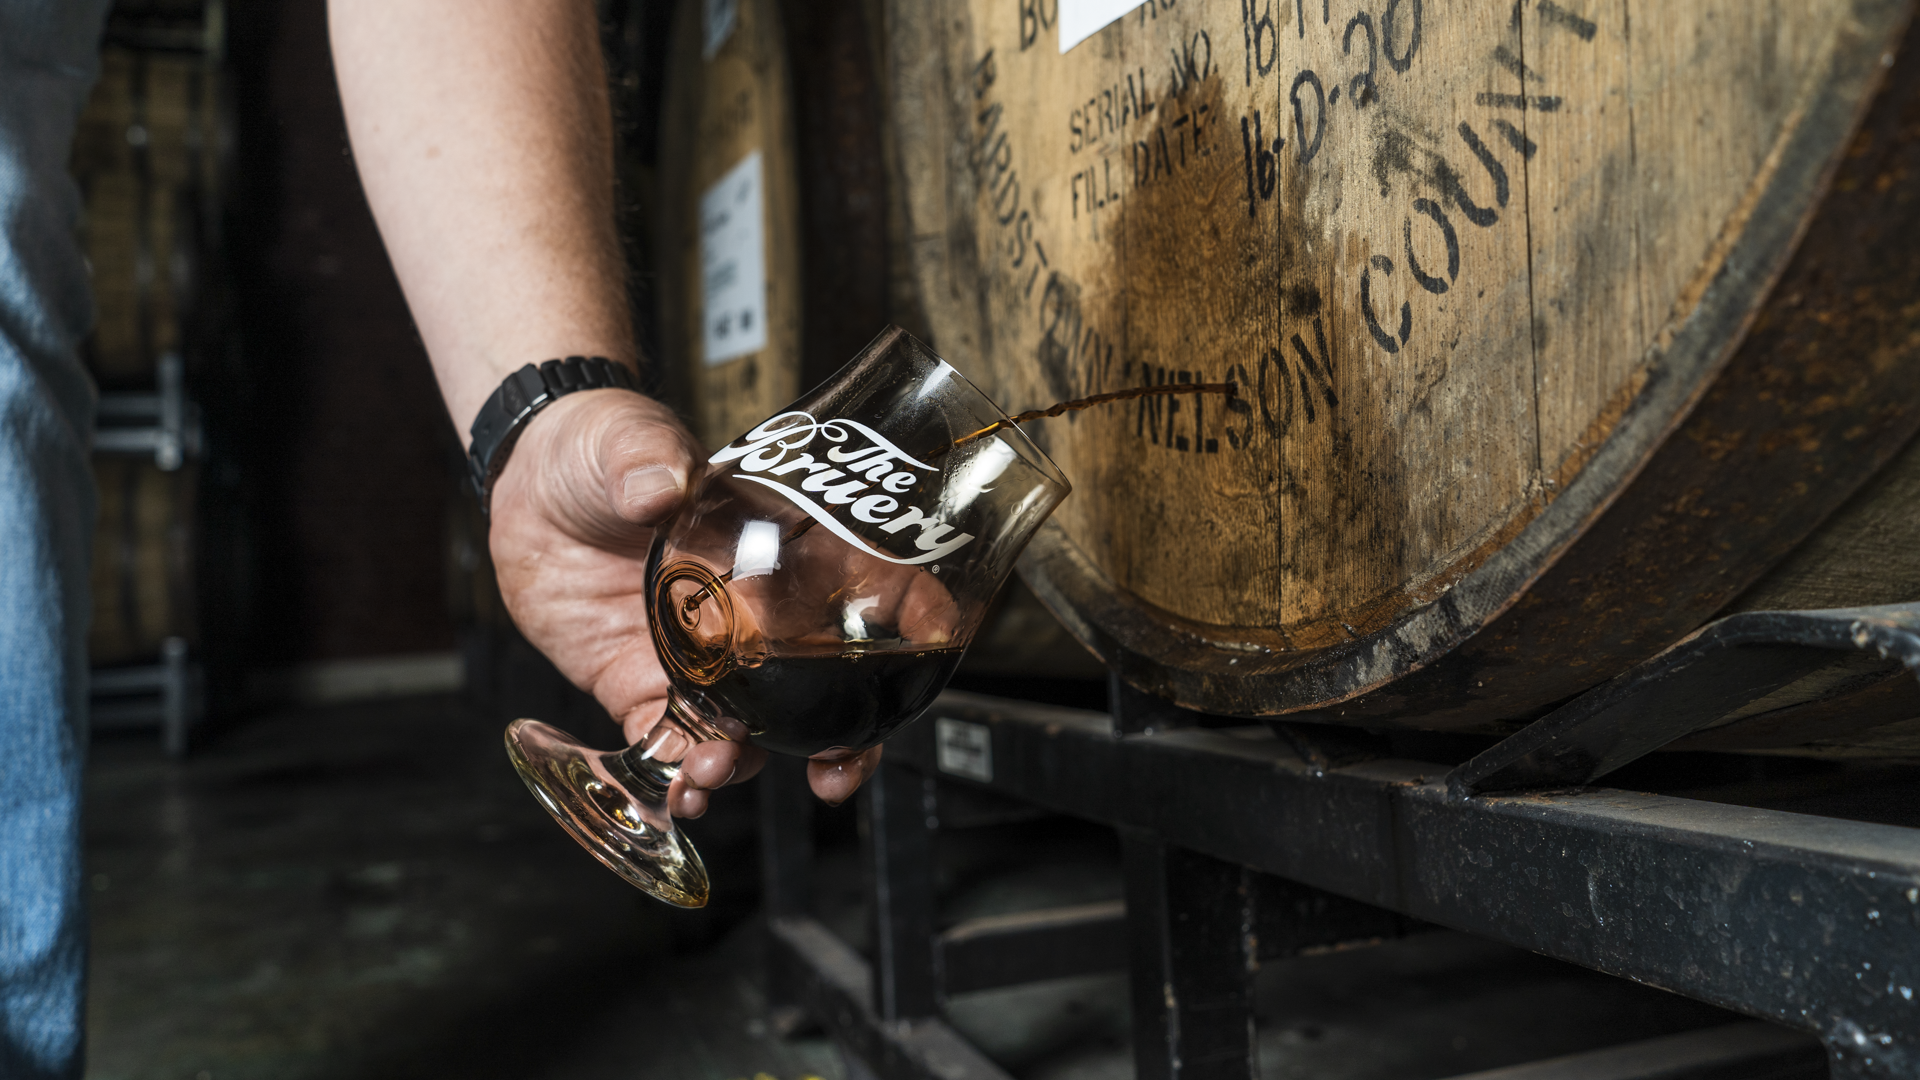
point(1049, 468)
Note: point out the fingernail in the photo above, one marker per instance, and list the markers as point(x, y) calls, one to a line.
point(644, 485)
point(842, 769)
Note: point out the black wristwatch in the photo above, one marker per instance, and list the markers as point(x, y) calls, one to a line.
point(497, 426)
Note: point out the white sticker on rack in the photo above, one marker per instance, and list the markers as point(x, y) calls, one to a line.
point(964, 749)
point(733, 265)
point(1081, 19)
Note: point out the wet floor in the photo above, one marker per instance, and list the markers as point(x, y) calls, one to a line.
point(369, 892)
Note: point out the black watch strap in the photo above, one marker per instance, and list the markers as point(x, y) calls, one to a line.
point(498, 424)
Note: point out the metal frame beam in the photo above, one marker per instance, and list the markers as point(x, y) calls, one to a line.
point(1191, 965)
point(1742, 1051)
point(1053, 943)
point(1810, 922)
point(835, 987)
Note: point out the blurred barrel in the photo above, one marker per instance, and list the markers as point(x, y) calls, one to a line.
point(1554, 330)
point(148, 159)
point(145, 155)
point(728, 233)
point(143, 568)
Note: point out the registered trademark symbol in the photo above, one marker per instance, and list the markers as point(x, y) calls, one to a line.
point(936, 569)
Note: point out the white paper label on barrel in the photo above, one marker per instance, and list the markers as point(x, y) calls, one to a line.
point(1081, 19)
point(716, 23)
point(733, 264)
point(964, 749)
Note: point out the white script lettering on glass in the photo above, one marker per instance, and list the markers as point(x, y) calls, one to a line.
point(858, 468)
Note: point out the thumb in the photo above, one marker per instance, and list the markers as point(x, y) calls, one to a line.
point(646, 456)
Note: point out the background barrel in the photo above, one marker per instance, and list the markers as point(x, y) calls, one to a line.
point(143, 560)
point(148, 157)
point(730, 248)
point(1554, 329)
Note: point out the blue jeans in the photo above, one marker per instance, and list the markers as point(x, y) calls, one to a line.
point(49, 58)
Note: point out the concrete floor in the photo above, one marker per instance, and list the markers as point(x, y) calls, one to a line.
point(369, 892)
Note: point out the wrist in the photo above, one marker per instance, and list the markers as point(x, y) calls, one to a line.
point(521, 396)
point(572, 471)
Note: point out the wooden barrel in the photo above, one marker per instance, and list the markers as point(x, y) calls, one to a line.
point(142, 560)
point(730, 300)
point(1555, 326)
point(145, 155)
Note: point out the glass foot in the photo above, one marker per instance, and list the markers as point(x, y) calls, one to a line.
point(615, 804)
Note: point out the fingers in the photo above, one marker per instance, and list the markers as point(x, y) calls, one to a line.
point(641, 719)
point(835, 780)
point(708, 766)
point(717, 764)
point(704, 766)
point(928, 615)
point(645, 458)
point(684, 801)
point(599, 468)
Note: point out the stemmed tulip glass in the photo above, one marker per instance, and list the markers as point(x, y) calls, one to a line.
point(819, 587)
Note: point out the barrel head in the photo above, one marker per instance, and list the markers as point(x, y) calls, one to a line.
point(1523, 301)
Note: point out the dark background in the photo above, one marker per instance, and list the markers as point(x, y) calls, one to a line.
point(336, 520)
point(335, 436)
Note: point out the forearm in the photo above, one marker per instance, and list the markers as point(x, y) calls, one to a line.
point(483, 137)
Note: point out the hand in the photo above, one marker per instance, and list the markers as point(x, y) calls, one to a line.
point(573, 518)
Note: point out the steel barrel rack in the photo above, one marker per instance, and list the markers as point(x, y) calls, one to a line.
point(1257, 842)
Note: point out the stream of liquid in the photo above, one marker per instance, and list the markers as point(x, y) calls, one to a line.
point(1227, 388)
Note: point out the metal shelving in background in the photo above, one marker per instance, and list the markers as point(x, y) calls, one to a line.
point(148, 156)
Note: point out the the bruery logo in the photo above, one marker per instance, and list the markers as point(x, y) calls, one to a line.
point(862, 470)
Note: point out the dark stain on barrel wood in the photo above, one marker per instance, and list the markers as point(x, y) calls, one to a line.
point(1523, 403)
point(1782, 415)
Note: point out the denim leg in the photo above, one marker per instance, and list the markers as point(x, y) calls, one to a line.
point(48, 62)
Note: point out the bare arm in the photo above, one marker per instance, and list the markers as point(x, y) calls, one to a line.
point(483, 137)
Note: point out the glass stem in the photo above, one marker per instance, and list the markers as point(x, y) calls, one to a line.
point(653, 762)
